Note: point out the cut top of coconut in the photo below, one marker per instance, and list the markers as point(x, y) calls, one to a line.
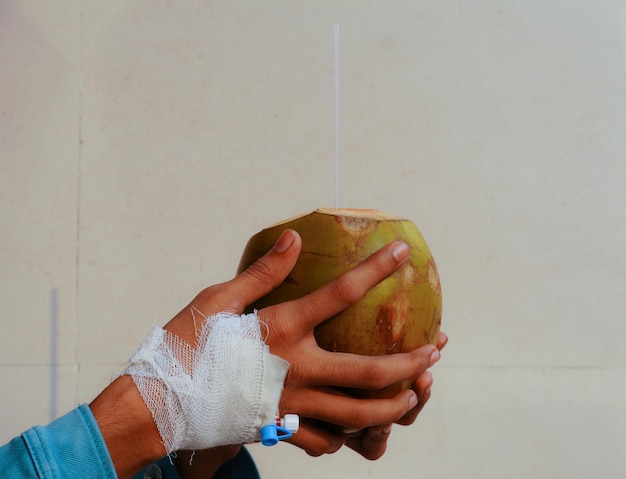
point(366, 214)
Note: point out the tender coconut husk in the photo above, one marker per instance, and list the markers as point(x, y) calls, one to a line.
point(401, 313)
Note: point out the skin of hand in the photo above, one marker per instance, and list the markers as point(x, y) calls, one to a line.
point(127, 426)
point(203, 464)
point(371, 442)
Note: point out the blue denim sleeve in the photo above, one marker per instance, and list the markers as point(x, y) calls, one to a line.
point(70, 447)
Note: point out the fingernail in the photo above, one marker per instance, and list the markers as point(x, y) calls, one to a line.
point(386, 429)
point(435, 356)
point(413, 400)
point(284, 242)
point(400, 252)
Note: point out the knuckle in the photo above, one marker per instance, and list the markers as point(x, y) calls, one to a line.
point(259, 271)
point(279, 336)
point(212, 299)
point(276, 334)
point(329, 446)
point(207, 293)
point(347, 291)
point(375, 377)
point(358, 418)
point(419, 362)
point(333, 446)
point(294, 374)
point(372, 454)
point(407, 419)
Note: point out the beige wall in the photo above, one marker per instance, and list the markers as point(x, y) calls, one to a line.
point(143, 142)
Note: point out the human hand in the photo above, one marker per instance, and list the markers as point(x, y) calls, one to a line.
point(309, 388)
point(371, 442)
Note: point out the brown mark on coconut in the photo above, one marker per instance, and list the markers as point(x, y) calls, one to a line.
point(391, 324)
point(433, 277)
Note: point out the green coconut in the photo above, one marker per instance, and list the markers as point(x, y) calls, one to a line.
point(401, 313)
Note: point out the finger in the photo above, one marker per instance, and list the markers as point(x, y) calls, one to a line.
point(233, 296)
point(442, 340)
point(254, 282)
point(371, 443)
point(333, 407)
point(317, 439)
point(422, 387)
point(267, 272)
point(369, 372)
point(348, 288)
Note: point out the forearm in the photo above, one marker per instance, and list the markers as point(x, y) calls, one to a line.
point(127, 427)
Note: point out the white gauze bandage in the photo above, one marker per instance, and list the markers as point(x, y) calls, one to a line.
point(220, 392)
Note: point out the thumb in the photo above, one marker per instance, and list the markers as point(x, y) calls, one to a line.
point(266, 273)
point(250, 285)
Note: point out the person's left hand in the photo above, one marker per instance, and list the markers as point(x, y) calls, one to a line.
point(371, 442)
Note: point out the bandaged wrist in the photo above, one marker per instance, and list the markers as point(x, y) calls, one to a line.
point(220, 392)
